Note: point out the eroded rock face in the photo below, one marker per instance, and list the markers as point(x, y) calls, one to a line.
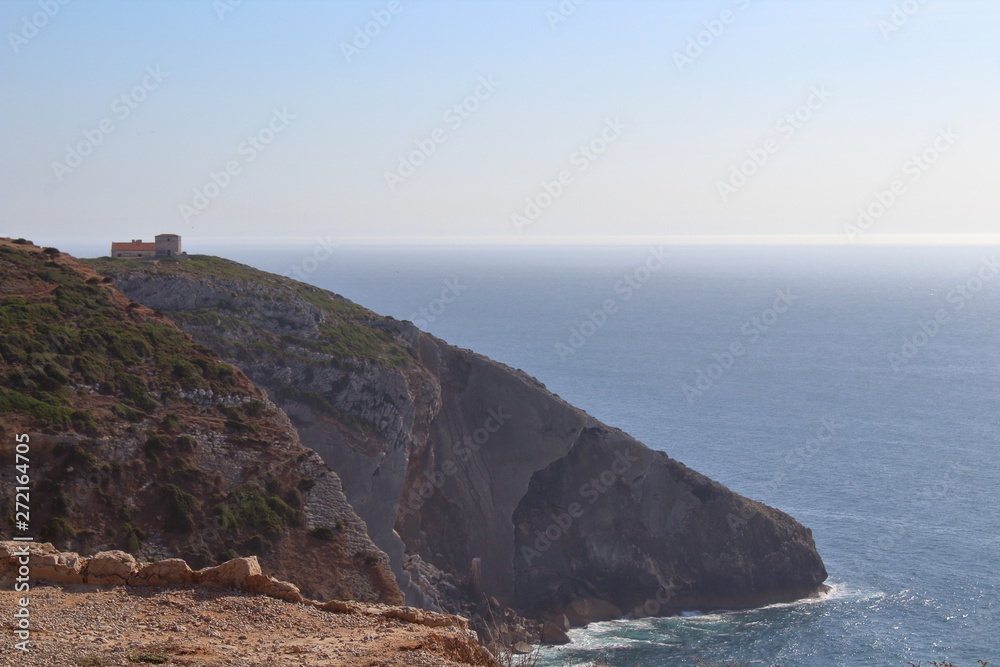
point(110, 567)
point(116, 568)
point(650, 536)
point(494, 486)
point(570, 516)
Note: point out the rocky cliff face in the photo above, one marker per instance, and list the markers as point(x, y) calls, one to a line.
point(478, 482)
point(142, 440)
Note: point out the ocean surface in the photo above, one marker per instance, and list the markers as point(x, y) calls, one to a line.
point(854, 388)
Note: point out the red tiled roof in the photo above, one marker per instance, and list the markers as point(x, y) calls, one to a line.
point(133, 246)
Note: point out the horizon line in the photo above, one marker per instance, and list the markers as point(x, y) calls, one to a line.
point(632, 240)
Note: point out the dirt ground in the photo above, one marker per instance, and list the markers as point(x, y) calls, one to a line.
point(97, 626)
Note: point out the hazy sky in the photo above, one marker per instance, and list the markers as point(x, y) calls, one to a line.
point(517, 121)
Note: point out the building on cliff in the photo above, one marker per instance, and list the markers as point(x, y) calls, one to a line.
point(165, 245)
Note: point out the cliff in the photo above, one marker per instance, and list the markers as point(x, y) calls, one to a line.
point(142, 440)
point(481, 486)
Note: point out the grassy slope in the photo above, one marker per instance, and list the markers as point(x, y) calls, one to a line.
point(82, 364)
point(346, 332)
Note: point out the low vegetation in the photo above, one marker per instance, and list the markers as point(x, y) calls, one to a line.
point(345, 333)
point(63, 334)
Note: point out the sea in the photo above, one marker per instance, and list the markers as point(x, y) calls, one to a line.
point(854, 387)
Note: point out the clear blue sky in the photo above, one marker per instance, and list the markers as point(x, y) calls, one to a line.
point(673, 129)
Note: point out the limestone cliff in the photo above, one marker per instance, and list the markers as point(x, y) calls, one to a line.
point(140, 439)
point(478, 482)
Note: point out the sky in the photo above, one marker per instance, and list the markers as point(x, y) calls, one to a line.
point(504, 122)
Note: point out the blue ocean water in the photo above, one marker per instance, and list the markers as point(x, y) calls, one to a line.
point(854, 388)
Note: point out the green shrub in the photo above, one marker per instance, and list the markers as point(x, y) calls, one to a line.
point(171, 421)
point(229, 518)
point(324, 533)
point(53, 416)
point(135, 389)
point(272, 485)
point(75, 456)
point(133, 538)
point(125, 412)
point(181, 507)
point(254, 409)
point(294, 498)
point(181, 470)
point(57, 529)
point(252, 507)
point(154, 446)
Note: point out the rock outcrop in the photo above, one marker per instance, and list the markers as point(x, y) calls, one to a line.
point(102, 611)
point(142, 441)
point(116, 568)
point(479, 483)
point(44, 563)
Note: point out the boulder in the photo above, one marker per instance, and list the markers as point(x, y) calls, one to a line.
point(428, 618)
point(231, 574)
point(283, 590)
point(170, 572)
point(110, 567)
point(338, 606)
point(63, 568)
point(522, 648)
point(45, 562)
point(553, 634)
point(590, 610)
